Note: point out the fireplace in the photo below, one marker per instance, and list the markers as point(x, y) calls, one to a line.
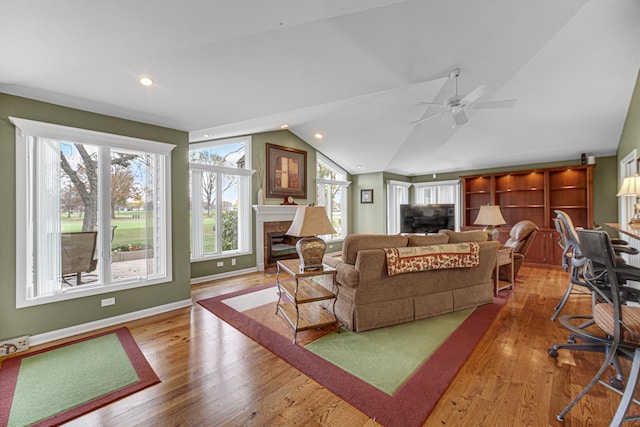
point(280, 246)
point(272, 222)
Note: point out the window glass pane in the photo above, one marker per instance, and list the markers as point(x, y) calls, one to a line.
point(209, 229)
point(78, 202)
point(220, 154)
point(332, 195)
point(134, 214)
point(336, 209)
point(229, 210)
point(326, 171)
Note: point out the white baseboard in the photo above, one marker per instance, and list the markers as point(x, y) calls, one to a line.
point(110, 321)
point(233, 273)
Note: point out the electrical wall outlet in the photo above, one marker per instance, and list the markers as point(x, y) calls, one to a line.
point(220, 264)
point(108, 301)
point(233, 261)
point(14, 345)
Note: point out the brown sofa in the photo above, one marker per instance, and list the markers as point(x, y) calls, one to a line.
point(369, 298)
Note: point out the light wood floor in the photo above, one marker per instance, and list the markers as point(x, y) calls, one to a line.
point(212, 375)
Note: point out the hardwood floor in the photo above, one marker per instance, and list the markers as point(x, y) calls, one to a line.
point(212, 375)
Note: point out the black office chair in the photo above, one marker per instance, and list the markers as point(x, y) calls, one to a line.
point(619, 323)
point(573, 259)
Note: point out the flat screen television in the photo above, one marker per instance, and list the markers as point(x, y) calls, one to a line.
point(427, 218)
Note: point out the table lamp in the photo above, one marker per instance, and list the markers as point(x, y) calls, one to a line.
point(631, 188)
point(490, 216)
point(309, 222)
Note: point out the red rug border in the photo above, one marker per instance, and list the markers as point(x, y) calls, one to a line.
point(411, 405)
point(147, 377)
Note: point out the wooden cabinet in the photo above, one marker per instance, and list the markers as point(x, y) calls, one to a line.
point(533, 195)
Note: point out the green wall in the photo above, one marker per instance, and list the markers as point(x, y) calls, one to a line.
point(630, 137)
point(368, 218)
point(54, 316)
point(605, 187)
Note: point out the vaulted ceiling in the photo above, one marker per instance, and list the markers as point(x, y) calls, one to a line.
point(354, 71)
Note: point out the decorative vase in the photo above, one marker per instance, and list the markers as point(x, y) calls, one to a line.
point(261, 196)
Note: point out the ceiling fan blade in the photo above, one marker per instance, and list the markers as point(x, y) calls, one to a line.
point(435, 104)
point(460, 118)
point(505, 103)
point(475, 95)
point(425, 118)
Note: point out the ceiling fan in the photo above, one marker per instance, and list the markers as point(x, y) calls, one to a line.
point(457, 104)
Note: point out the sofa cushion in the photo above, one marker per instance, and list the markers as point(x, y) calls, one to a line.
point(465, 236)
point(429, 239)
point(433, 257)
point(358, 242)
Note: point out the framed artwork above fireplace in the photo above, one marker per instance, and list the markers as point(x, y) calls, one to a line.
point(286, 172)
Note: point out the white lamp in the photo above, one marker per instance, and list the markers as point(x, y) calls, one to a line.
point(309, 222)
point(631, 188)
point(490, 216)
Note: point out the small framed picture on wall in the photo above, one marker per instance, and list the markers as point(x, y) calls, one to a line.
point(366, 196)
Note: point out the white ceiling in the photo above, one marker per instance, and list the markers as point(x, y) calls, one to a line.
point(352, 70)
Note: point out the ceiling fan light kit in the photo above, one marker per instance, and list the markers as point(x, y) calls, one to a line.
point(457, 104)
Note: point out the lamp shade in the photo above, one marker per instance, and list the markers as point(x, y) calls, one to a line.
point(310, 221)
point(630, 186)
point(490, 215)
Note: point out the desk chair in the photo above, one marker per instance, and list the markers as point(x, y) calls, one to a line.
point(572, 256)
point(619, 323)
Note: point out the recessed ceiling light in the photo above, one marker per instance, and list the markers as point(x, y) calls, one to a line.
point(285, 126)
point(146, 81)
point(318, 136)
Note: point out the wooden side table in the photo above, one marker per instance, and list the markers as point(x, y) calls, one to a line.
point(504, 257)
point(304, 312)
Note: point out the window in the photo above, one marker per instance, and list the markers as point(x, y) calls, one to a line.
point(440, 192)
point(92, 212)
point(220, 198)
point(331, 192)
point(397, 194)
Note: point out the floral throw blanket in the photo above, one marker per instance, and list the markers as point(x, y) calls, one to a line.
point(433, 257)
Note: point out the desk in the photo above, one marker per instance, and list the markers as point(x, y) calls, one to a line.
point(625, 229)
point(504, 257)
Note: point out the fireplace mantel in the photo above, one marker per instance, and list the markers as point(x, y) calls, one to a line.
point(269, 213)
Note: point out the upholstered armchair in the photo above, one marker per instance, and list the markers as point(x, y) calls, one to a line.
point(520, 238)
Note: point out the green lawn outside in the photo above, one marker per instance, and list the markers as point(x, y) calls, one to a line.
point(130, 230)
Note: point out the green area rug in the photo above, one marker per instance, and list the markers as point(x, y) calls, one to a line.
point(373, 356)
point(57, 384)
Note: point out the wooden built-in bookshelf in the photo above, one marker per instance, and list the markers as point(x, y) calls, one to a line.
point(534, 195)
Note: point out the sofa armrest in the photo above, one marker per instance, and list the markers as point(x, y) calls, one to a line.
point(371, 264)
point(346, 275)
point(332, 261)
